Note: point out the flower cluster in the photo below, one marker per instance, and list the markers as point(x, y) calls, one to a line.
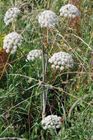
point(11, 42)
point(10, 15)
point(47, 18)
point(70, 11)
point(51, 122)
point(61, 60)
point(34, 54)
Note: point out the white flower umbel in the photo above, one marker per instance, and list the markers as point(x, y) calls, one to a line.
point(61, 60)
point(51, 122)
point(34, 54)
point(70, 11)
point(11, 42)
point(11, 15)
point(47, 19)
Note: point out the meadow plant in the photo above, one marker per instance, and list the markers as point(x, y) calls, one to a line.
point(60, 60)
point(48, 20)
point(56, 62)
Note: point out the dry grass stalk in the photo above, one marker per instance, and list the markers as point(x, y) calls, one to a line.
point(75, 23)
point(3, 60)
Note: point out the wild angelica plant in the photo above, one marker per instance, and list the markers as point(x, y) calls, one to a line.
point(23, 112)
point(47, 19)
point(59, 84)
point(59, 60)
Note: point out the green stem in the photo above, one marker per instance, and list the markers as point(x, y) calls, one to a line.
point(44, 96)
point(44, 71)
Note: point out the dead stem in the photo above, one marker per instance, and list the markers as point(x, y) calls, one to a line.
point(75, 23)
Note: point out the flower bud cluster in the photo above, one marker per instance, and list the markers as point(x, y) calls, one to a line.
point(61, 60)
point(11, 42)
point(51, 122)
point(47, 18)
point(70, 11)
point(34, 54)
point(11, 15)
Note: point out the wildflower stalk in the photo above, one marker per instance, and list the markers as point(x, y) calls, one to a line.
point(44, 96)
point(44, 71)
point(14, 25)
point(47, 20)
